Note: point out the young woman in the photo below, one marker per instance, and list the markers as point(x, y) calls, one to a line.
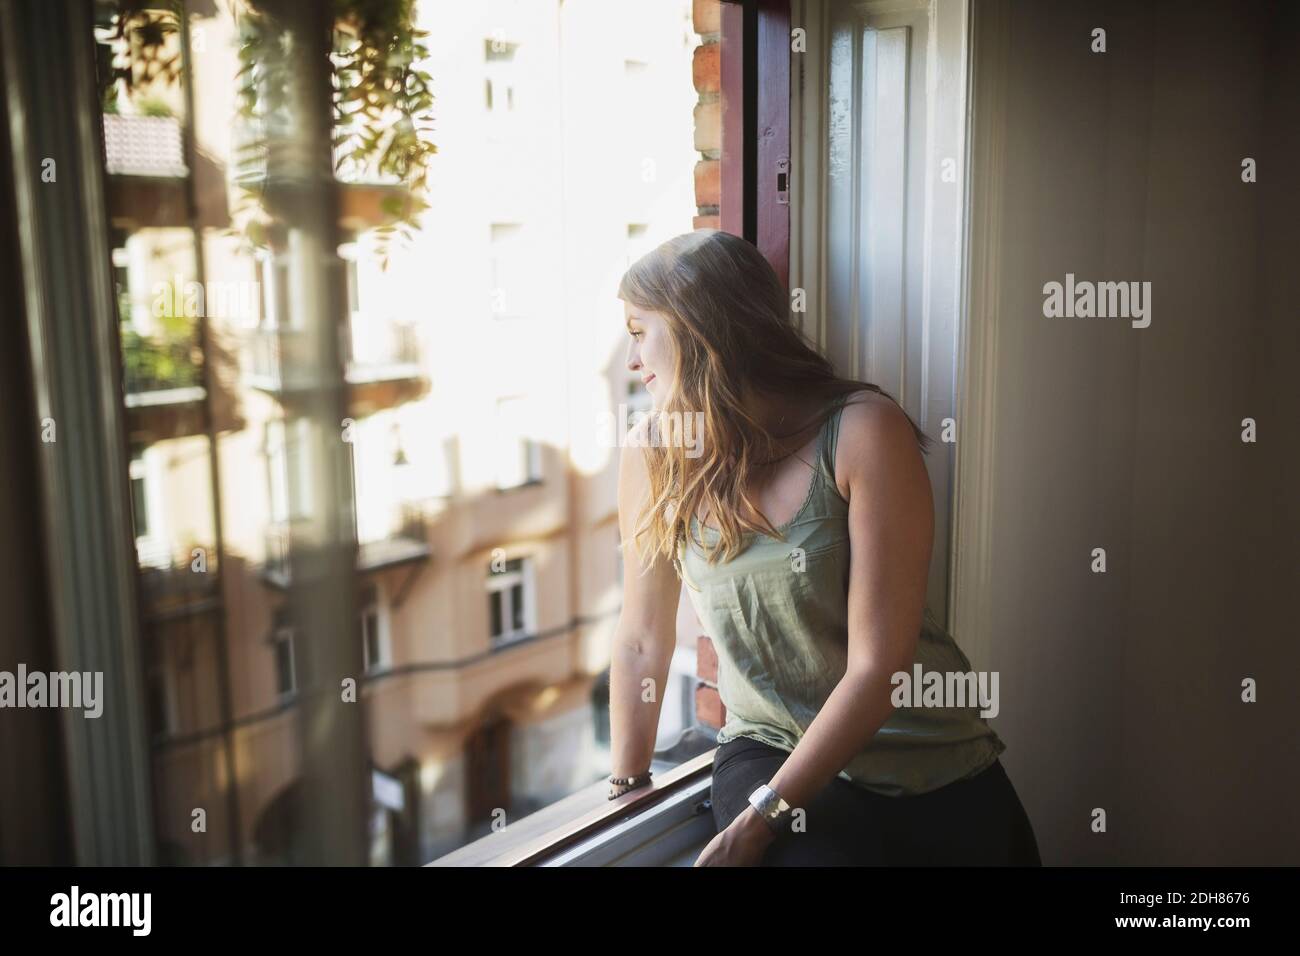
point(801, 523)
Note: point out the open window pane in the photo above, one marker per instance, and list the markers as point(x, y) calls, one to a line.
point(347, 396)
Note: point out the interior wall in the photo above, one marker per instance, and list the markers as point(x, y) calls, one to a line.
point(1123, 689)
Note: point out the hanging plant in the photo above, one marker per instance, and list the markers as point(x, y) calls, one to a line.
point(382, 104)
point(382, 100)
point(147, 57)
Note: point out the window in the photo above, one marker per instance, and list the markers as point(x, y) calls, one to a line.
point(122, 283)
point(354, 342)
point(388, 477)
point(139, 496)
point(282, 648)
point(354, 284)
point(519, 457)
point(537, 203)
point(374, 638)
point(510, 601)
point(501, 78)
point(147, 482)
point(277, 471)
point(273, 283)
point(288, 468)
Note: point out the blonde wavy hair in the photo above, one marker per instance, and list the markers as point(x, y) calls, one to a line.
point(729, 317)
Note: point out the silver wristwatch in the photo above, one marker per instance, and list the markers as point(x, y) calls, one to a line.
point(774, 811)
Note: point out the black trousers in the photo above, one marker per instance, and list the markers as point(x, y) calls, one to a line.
point(974, 822)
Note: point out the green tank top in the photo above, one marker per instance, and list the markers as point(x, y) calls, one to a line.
point(781, 636)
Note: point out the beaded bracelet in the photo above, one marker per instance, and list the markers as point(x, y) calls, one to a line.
point(621, 785)
point(638, 778)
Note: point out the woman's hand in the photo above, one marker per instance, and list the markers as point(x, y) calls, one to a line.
point(742, 843)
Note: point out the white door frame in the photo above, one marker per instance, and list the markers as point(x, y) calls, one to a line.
point(970, 587)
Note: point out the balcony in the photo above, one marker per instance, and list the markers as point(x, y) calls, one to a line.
point(277, 362)
point(381, 364)
point(149, 146)
point(145, 161)
point(366, 200)
point(171, 588)
point(406, 542)
point(163, 382)
point(161, 370)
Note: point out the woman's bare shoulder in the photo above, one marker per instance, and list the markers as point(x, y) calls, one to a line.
point(874, 433)
point(869, 418)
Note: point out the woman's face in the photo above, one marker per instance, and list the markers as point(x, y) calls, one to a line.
point(650, 351)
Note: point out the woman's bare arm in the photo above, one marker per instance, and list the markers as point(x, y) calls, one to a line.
point(891, 526)
point(646, 635)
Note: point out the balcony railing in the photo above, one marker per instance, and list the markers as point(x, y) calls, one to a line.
point(277, 360)
point(406, 540)
point(254, 139)
point(275, 567)
point(144, 146)
point(160, 370)
point(377, 350)
point(171, 585)
point(373, 352)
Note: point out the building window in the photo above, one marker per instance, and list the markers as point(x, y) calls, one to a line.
point(148, 480)
point(519, 456)
point(277, 470)
point(354, 343)
point(282, 646)
point(122, 283)
point(288, 465)
point(139, 496)
point(353, 281)
point(501, 77)
point(273, 284)
point(511, 605)
point(374, 642)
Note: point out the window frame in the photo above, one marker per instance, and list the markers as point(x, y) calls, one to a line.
point(585, 829)
point(519, 572)
point(282, 635)
point(371, 600)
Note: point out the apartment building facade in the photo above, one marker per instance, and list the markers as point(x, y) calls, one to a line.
point(483, 367)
